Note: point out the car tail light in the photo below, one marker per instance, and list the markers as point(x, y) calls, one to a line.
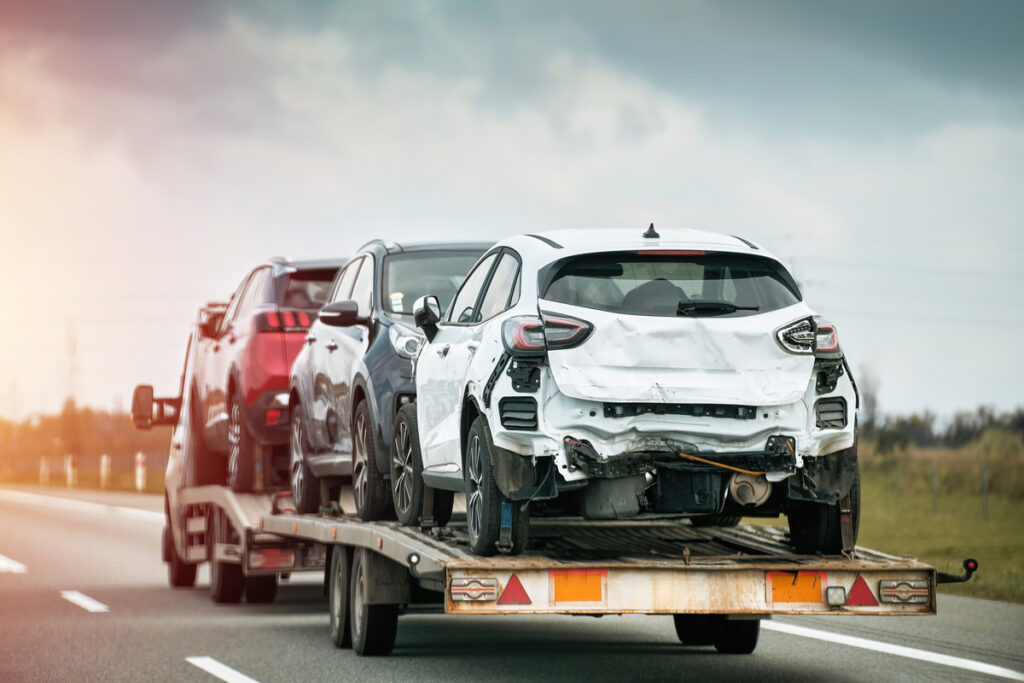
point(565, 332)
point(826, 339)
point(797, 337)
point(282, 320)
point(523, 335)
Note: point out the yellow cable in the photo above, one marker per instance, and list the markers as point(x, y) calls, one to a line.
point(718, 464)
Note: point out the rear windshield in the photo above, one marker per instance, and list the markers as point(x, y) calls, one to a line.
point(413, 274)
point(306, 288)
point(693, 284)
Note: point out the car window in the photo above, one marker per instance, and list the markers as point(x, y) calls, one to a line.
point(499, 291)
point(306, 288)
point(343, 285)
point(236, 301)
point(254, 292)
point(686, 283)
point(465, 301)
point(362, 290)
point(412, 274)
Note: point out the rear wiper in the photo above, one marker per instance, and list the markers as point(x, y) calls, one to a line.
point(711, 308)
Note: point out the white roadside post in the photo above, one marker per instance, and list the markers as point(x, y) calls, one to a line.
point(44, 470)
point(140, 471)
point(71, 470)
point(104, 471)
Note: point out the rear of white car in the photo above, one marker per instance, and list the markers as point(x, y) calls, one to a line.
point(675, 373)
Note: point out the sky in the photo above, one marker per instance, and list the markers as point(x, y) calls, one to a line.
point(151, 153)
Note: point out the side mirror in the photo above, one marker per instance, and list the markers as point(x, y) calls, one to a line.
point(340, 314)
point(426, 313)
point(167, 409)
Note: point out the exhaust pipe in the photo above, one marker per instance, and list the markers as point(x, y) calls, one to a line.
point(749, 490)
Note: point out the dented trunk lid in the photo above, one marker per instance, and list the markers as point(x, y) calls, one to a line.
point(703, 360)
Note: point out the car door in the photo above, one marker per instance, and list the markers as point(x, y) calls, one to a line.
point(319, 338)
point(346, 347)
point(441, 374)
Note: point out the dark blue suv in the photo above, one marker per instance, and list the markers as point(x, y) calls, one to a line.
point(355, 371)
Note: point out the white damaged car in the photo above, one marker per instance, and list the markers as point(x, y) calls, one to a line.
point(614, 373)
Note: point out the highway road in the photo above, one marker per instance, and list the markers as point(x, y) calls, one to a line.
point(84, 597)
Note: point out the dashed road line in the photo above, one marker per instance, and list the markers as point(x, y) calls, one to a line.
point(221, 671)
point(9, 566)
point(898, 650)
point(84, 601)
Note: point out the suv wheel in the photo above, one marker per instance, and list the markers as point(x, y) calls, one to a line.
point(305, 487)
point(372, 494)
point(484, 499)
point(240, 450)
point(407, 486)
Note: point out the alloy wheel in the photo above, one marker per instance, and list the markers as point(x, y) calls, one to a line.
point(234, 440)
point(360, 477)
point(402, 457)
point(474, 505)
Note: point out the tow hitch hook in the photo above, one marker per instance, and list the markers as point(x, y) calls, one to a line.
point(970, 566)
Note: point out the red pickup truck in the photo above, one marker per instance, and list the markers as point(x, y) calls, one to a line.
point(245, 349)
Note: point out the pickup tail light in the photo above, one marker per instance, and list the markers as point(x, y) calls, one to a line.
point(283, 320)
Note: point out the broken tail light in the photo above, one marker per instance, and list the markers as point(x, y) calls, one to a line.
point(826, 339)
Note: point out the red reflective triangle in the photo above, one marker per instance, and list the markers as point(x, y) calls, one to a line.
point(514, 593)
point(860, 594)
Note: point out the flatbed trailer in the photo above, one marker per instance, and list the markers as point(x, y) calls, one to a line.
point(719, 582)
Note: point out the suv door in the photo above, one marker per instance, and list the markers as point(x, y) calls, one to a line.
point(441, 372)
point(346, 346)
point(318, 338)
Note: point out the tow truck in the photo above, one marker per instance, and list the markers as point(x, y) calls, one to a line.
point(717, 582)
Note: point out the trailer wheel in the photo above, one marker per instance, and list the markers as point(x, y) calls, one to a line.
point(226, 580)
point(341, 632)
point(484, 499)
point(260, 589)
point(695, 629)
point(737, 637)
point(373, 626)
point(372, 494)
point(180, 574)
point(305, 487)
point(241, 447)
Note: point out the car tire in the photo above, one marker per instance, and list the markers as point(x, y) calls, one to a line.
point(815, 527)
point(180, 574)
point(484, 499)
point(374, 627)
point(716, 520)
point(338, 597)
point(260, 590)
point(406, 467)
point(371, 492)
point(305, 487)
point(241, 449)
point(226, 580)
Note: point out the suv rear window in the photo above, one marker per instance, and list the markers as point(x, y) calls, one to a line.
point(306, 288)
point(634, 283)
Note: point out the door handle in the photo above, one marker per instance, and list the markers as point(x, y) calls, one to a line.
point(310, 338)
point(443, 351)
point(332, 345)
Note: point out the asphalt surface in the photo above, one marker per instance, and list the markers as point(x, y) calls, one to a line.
point(110, 555)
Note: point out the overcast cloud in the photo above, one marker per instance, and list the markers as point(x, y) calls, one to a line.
point(150, 153)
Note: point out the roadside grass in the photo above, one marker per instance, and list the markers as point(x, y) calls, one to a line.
point(90, 480)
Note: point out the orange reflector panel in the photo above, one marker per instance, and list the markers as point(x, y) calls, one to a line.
point(578, 585)
point(514, 593)
point(295, 527)
point(334, 532)
point(796, 586)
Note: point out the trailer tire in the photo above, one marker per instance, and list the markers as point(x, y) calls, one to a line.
point(695, 629)
point(371, 492)
point(180, 574)
point(374, 627)
point(484, 499)
point(260, 590)
point(338, 597)
point(226, 580)
point(241, 448)
point(815, 527)
point(737, 637)
point(304, 486)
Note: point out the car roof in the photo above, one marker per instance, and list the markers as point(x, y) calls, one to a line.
point(307, 264)
point(389, 247)
point(560, 243)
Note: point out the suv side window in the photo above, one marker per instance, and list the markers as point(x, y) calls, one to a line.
point(255, 292)
point(362, 290)
point(464, 305)
point(343, 286)
point(236, 302)
point(499, 291)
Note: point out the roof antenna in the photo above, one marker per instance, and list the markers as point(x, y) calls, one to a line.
point(651, 233)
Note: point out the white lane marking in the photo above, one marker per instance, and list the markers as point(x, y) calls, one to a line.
point(898, 650)
point(221, 671)
point(80, 505)
point(9, 566)
point(84, 601)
